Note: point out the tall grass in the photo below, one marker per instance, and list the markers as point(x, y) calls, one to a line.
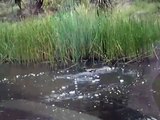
point(76, 35)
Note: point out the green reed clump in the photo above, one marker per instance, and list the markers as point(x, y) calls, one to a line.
point(125, 37)
point(29, 40)
point(83, 34)
point(76, 35)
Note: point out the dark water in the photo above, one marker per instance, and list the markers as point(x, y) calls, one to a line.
point(156, 87)
point(122, 92)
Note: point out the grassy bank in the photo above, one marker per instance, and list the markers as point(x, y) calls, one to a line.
point(76, 35)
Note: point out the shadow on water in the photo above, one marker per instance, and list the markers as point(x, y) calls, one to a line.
point(94, 93)
point(156, 90)
point(9, 114)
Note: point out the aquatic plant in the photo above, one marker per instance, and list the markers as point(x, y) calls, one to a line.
point(77, 35)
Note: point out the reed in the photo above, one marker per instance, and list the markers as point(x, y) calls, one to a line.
point(76, 35)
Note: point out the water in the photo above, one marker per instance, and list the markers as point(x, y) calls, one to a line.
point(122, 92)
point(156, 90)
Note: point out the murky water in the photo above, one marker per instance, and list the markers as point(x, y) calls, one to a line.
point(123, 92)
point(156, 87)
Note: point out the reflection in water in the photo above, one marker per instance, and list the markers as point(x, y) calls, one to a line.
point(9, 114)
point(156, 90)
point(109, 93)
point(53, 112)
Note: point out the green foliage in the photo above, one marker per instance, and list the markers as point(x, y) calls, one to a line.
point(26, 41)
point(76, 35)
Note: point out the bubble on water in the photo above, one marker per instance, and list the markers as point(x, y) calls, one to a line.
point(94, 106)
point(53, 91)
point(111, 103)
point(151, 118)
point(76, 87)
point(5, 79)
point(119, 91)
point(63, 94)
point(143, 82)
point(80, 97)
point(63, 87)
point(113, 68)
point(41, 73)
point(90, 78)
point(108, 68)
point(68, 77)
point(75, 81)
point(154, 68)
point(17, 76)
point(11, 98)
point(32, 74)
point(53, 105)
point(72, 92)
point(25, 76)
point(153, 91)
point(96, 95)
point(89, 95)
point(38, 75)
point(134, 84)
point(96, 80)
point(118, 77)
point(140, 109)
point(96, 76)
point(121, 81)
point(112, 88)
point(100, 86)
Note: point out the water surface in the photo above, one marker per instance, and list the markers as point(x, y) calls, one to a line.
point(122, 92)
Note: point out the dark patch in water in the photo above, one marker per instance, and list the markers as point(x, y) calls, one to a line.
point(156, 90)
point(9, 114)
